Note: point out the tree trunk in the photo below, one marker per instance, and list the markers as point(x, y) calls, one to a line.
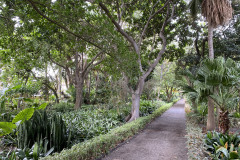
point(47, 86)
point(217, 116)
point(79, 89)
point(135, 106)
point(210, 41)
point(224, 123)
point(59, 81)
point(211, 117)
point(136, 99)
point(195, 106)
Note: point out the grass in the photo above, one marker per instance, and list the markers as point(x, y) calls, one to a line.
point(97, 146)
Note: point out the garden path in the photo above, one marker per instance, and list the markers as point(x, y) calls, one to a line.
point(162, 139)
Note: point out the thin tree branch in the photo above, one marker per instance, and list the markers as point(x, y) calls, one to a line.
point(92, 61)
point(128, 37)
point(60, 25)
point(49, 56)
point(150, 18)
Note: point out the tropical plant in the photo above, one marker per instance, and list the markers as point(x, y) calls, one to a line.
point(35, 152)
point(21, 117)
point(217, 13)
point(223, 146)
point(216, 80)
point(48, 129)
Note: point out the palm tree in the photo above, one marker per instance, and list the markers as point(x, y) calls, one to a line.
point(216, 12)
point(216, 80)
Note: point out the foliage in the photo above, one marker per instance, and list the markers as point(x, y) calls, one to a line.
point(201, 113)
point(62, 107)
point(223, 146)
point(21, 117)
point(50, 130)
point(147, 107)
point(35, 152)
point(86, 124)
point(97, 146)
point(195, 139)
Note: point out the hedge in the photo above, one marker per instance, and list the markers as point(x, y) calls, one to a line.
point(97, 146)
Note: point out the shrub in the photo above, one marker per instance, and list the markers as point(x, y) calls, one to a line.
point(97, 146)
point(88, 124)
point(35, 152)
point(146, 107)
point(223, 146)
point(63, 107)
point(43, 128)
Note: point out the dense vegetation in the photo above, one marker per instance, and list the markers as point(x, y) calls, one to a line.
point(74, 74)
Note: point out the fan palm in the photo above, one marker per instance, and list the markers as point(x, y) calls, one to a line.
point(215, 80)
point(220, 78)
point(216, 12)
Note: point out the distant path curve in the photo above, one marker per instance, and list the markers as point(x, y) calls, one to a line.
point(163, 139)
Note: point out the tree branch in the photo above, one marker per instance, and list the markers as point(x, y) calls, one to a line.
point(150, 18)
point(49, 56)
point(90, 63)
point(60, 25)
point(128, 37)
point(120, 30)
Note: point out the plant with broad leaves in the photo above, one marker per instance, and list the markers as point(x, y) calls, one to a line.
point(24, 115)
point(223, 146)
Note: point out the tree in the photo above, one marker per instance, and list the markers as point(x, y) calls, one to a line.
point(216, 13)
point(147, 27)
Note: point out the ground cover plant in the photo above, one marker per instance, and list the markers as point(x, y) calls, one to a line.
point(72, 71)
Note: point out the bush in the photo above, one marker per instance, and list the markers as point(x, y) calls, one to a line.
point(97, 146)
point(88, 124)
point(63, 107)
point(147, 107)
point(35, 152)
point(223, 146)
point(50, 130)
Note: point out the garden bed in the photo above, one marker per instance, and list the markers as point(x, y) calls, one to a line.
point(97, 146)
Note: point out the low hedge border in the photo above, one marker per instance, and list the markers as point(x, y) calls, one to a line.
point(97, 146)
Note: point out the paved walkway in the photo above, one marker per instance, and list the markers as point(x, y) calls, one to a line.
point(163, 139)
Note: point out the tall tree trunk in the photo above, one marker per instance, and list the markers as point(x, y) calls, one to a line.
point(136, 94)
point(210, 41)
point(79, 89)
point(59, 81)
point(211, 117)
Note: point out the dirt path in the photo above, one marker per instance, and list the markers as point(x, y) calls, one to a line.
point(163, 139)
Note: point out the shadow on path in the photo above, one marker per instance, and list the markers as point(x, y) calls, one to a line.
point(163, 139)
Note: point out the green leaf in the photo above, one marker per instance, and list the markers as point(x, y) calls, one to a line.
point(42, 106)
point(234, 155)
point(16, 87)
point(6, 128)
point(223, 150)
point(35, 151)
point(24, 115)
point(27, 100)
